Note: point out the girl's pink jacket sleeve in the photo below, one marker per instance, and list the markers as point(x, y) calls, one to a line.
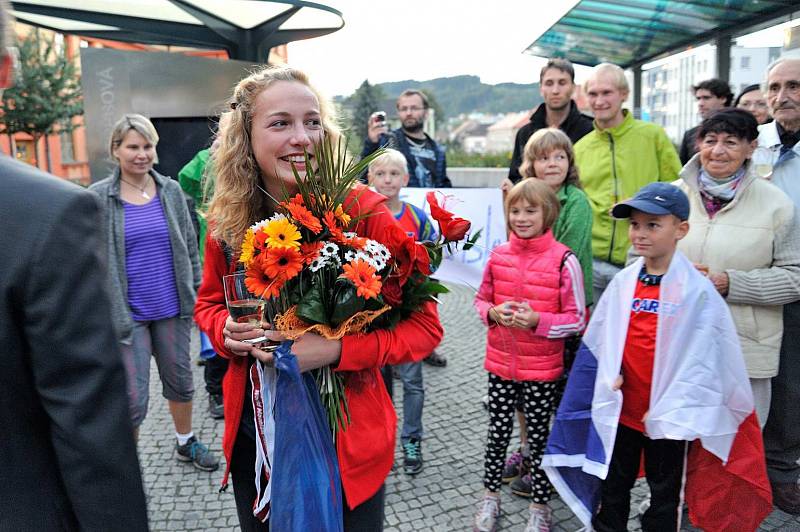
point(572, 318)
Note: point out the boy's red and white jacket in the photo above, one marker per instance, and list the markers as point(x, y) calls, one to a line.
point(366, 449)
point(547, 275)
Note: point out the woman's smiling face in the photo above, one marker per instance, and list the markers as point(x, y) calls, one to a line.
point(286, 121)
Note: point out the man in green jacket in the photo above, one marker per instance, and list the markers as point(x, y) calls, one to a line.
point(615, 160)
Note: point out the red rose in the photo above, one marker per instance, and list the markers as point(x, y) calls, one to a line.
point(392, 292)
point(437, 212)
point(455, 229)
point(422, 259)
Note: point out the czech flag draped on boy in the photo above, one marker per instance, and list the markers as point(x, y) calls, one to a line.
point(700, 393)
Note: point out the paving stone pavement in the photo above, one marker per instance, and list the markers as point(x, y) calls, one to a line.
point(441, 498)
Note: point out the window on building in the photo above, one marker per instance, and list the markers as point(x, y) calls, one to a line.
point(745, 62)
point(67, 147)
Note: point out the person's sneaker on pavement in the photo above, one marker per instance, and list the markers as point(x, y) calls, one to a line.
point(215, 408)
point(198, 454)
point(786, 496)
point(522, 486)
point(412, 456)
point(512, 468)
point(488, 512)
point(540, 520)
point(436, 359)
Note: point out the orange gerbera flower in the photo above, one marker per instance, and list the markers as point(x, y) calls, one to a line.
point(304, 217)
point(258, 282)
point(357, 242)
point(310, 250)
point(342, 216)
point(285, 263)
point(337, 235)
point(362, 275)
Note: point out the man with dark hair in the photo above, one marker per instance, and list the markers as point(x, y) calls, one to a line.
point(68, 455)
point(782, 432)
point(711, 95)
point(427, 164)
point(556, 85)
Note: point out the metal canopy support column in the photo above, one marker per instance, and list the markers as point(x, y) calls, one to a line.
point(723, 43)
point(637, 91)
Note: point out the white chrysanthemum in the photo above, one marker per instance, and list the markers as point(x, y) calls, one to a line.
point(350, 234)
point(379, 263)
point(329, 249)
point(378, 250)
point(277, 216)
point(318, 263)
point(350, 255)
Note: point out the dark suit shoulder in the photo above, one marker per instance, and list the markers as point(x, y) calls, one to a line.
point(29, 192)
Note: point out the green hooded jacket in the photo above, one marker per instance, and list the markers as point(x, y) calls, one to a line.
point(614, 164)
point(191, 180)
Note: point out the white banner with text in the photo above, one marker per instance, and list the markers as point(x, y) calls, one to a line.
point(483, 207)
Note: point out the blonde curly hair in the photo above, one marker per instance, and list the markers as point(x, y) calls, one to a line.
point(238, 202)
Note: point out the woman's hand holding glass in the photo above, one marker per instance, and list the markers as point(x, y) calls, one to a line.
point(239, 336)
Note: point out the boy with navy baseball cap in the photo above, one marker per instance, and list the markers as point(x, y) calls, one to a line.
point(658, 216)
point(659, 371)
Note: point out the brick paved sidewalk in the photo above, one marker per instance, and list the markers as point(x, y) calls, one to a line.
point(441, 498)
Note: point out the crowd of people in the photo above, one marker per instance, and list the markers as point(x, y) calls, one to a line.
point(608, 224)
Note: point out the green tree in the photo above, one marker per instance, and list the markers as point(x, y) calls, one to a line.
point(433, 103)
point(364, 101)
point(46, 92)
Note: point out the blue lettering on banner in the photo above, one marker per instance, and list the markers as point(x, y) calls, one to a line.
point(645, 305)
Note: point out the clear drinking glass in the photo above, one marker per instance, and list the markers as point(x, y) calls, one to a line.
point(246, 307)
point(762, 161)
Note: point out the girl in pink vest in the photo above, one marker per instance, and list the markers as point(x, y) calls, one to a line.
point(531, 298)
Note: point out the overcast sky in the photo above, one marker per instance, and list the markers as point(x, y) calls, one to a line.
point(392, 40)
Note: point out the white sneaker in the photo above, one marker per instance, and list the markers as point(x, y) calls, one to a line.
point(488, 512)
point(540, 520)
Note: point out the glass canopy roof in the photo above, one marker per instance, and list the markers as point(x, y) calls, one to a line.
point(632, 32)
point(247, 29)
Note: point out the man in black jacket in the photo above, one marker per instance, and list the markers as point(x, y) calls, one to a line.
point(556, 85)
point(711, 95)
point(68, 456)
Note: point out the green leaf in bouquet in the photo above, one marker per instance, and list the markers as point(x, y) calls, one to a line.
point(311, 308)
point(345, 302)
point(432, 287)
point(374, 303)
point(472, 240)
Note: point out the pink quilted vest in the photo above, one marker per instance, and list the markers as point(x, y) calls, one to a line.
point(526, 270)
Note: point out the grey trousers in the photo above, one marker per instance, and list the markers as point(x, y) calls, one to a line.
point(782, 432)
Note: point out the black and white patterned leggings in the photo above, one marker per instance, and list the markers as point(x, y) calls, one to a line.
point(537, 399)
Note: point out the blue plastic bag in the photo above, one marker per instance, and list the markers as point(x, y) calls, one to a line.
point(206, 349)
point(306, 486)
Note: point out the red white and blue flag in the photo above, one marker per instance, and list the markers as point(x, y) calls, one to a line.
point(700, 393)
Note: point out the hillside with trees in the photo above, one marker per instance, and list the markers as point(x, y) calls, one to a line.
point(467, 94)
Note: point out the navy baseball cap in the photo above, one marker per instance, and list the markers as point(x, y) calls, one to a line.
point(655, 198)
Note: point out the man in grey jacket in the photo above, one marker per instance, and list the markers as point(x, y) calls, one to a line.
point(782, 432)
point(68, 456)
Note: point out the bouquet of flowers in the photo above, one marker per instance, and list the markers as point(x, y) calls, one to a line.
point(322, 277)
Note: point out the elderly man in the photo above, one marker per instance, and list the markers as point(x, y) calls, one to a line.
point(615, 160)
point(68, 456)
point(782, 432)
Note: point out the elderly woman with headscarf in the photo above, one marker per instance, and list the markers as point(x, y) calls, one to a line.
point(745, 236)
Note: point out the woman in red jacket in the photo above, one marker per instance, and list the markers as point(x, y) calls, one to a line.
point(276, 114)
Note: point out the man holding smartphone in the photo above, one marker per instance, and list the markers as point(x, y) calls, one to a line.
point(427, 164)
